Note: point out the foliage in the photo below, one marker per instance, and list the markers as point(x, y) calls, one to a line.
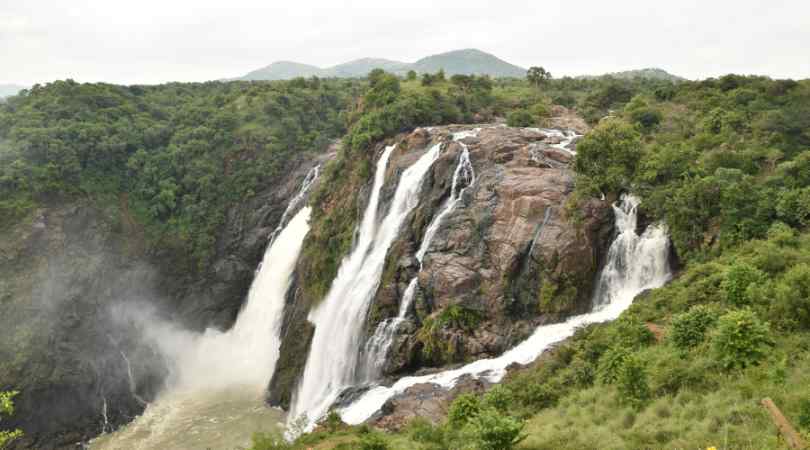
point(463, 408)
point(537, 75)
point(607, 157)
point(520, 118)
point(688, 329)
point(791, 303)
point(499, 398)
point(738, 278)
point(611, 364)
point(804, 414)
point(741, 339)
point(7, 409)
point(176, 156)
point(492, 430)
point(632, 382)
point(373, 441)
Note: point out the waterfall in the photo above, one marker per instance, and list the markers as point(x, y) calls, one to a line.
point(339, 319)
point(248, 352)
point(219, 378)
point(296, 201)
point(635, 263)
point(377, 348)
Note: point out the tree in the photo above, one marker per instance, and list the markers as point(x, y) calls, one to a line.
point(741, 339)
point(411, 75)
point(7, 408)
point(607, 157)
point(537, 76)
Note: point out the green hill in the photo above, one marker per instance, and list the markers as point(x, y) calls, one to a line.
point(467, 62)
point(652, 73)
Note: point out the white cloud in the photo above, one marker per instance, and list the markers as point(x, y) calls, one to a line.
point(153, 41)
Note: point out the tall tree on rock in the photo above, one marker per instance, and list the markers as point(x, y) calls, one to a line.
point(537, 76)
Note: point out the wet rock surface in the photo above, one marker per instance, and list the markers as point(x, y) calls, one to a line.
point(510, 256)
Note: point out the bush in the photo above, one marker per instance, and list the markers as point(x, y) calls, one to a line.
point(611, 364)
point(738, 277)
point(804, 414)
point(271, 441)
point(535, 395)
point(520, 118)
point(607, 157)
point(373, 441)
point(491, 430)
point(463, 408)
point(688, 329)
point(499, 398)
point(741, 339)
point(791, 307)
point(632, 382)
point(7, 408)
point(631, 332)
point(427, 434)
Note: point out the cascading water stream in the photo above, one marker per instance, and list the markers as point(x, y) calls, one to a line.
point(332, 362)
point(215, 394)
point(377, 348)
point(635, 263)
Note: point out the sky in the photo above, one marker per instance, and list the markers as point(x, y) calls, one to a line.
point(155, 41)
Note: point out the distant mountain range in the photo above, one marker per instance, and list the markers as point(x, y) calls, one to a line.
point(649, 73)
point(465, 62)
point(7, 90)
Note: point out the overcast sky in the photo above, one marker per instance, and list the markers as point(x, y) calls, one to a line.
point(152, 41)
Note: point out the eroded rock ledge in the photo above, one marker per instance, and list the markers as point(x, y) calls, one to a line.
point(512, 255)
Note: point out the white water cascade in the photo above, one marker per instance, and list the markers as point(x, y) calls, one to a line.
point(218, 379)
point(635, 263)
point(332, 362)
point(379, 344)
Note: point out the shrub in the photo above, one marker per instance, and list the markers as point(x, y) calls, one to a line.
point(607, 157)
point(499, 397)
point(688, 329)
point(491, 430)
point(271, 441)
point(373, 441)
point(631, 332)
point(738, 277)
point(791, 307)
point(632, 382)
point(7, 408)
point(611, 364)
point(804, 414)
point(535, 395)
point(463, 408)
point(333, 421)
point(520, 118)
point(741, 339)
point(427, 434)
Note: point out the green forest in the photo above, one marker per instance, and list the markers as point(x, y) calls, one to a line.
point(724, 162)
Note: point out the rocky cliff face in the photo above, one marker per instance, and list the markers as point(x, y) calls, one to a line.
point(510, 256)
point(65, 274)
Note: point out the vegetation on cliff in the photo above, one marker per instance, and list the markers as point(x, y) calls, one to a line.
point(7, 408)
point(722, 161)
point(180, 153)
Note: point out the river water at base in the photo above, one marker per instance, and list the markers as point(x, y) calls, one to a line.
point(218, 420)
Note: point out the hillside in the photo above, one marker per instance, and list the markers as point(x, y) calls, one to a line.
point(465, 240)
point(466, 62)
point(652, 73)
